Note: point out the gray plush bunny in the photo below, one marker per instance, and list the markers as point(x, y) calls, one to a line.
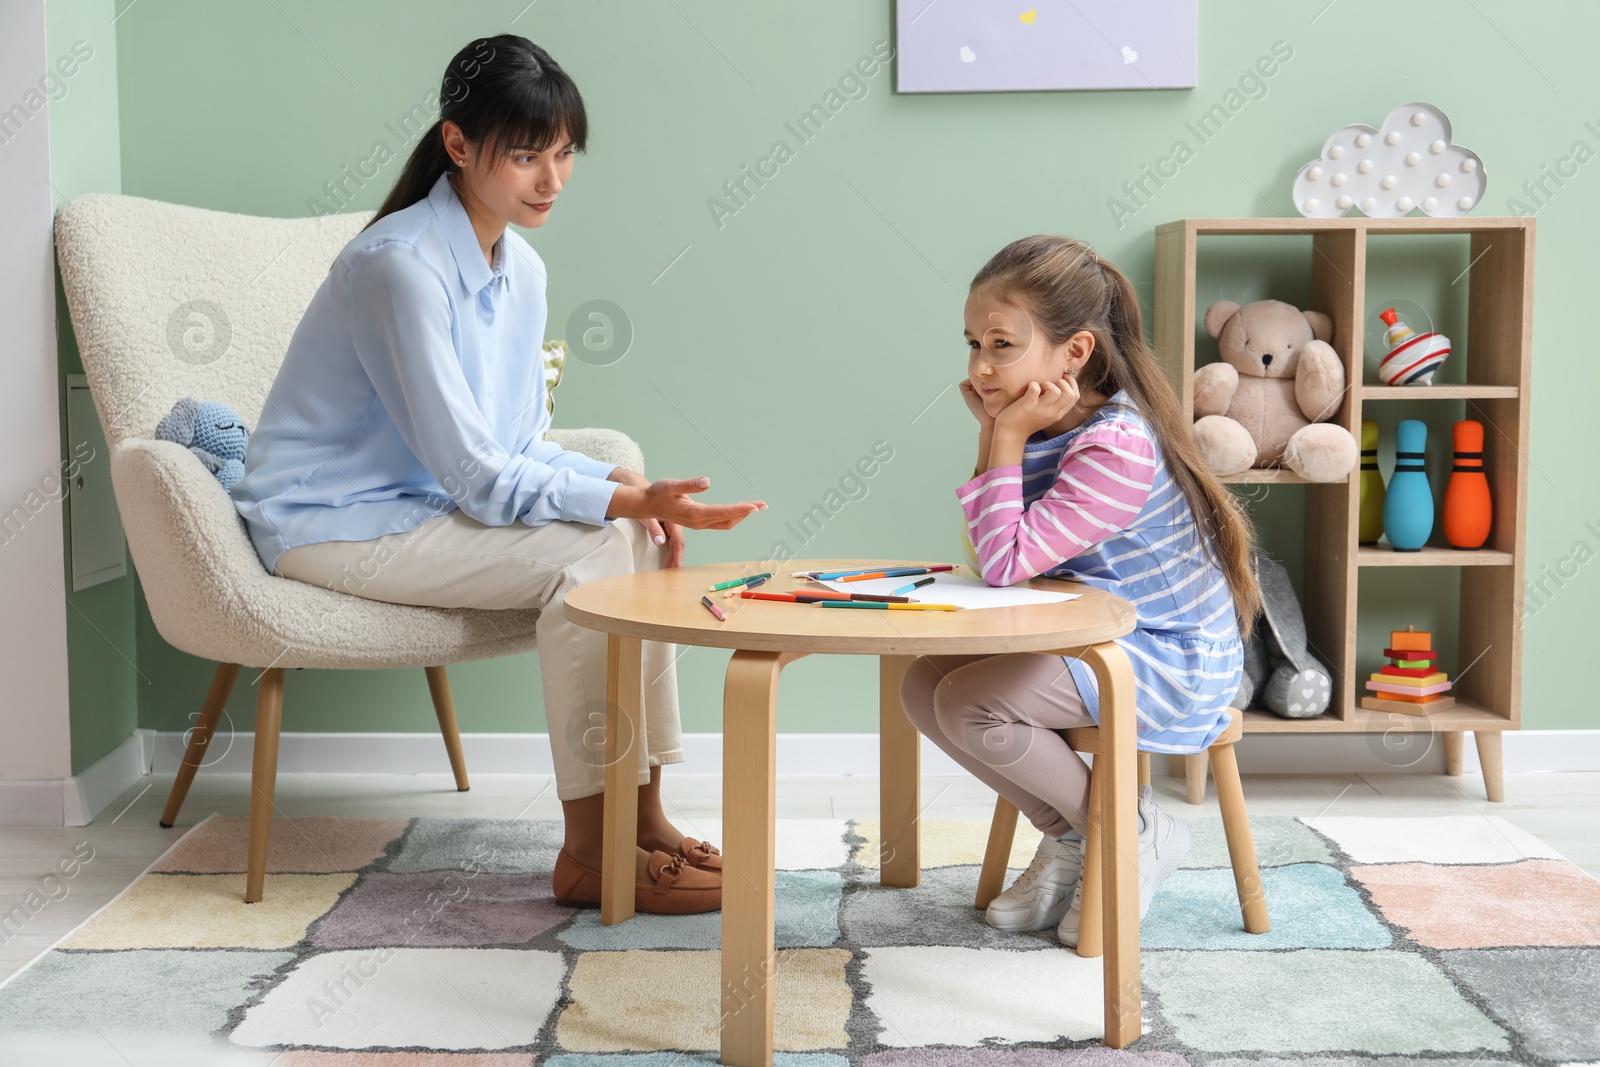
point(213, 431)
point(1280, 673)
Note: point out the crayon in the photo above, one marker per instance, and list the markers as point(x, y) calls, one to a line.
point(713, 609)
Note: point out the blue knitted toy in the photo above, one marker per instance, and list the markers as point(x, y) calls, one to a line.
point(213, 431)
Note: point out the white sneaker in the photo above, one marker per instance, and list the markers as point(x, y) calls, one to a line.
point(1039, 896)
point(1162, 846)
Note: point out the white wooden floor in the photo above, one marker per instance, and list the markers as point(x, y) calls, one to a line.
point(1561, 809)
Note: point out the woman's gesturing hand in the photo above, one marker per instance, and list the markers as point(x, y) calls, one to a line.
point(660, 531)
point(668, 498)
point(665, 508)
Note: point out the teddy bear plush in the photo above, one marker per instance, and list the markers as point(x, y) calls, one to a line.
point(213, 431)
point(1265, 404)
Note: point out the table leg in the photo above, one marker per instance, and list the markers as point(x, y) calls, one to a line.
point(1119, 867)
point(624, 666)
point(749, 805)
point(899, 781)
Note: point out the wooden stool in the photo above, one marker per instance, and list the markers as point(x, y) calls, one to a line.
point(1235, 824)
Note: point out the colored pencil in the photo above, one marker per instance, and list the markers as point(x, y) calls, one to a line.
point(914, 585)
point(713, 609)
point(740, 581)
point(828, 576)
point(899, 607)
point(751, 584)
point(823, 576)
point(882, 597)
point(812, 598)
point(894, 572)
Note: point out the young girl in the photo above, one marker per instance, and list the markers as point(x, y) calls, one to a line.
point(1086, 470)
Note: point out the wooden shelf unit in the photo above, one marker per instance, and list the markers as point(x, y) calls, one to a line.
point(1498, 359)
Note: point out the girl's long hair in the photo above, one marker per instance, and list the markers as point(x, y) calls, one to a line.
point(505, 93)
point(1068, 288)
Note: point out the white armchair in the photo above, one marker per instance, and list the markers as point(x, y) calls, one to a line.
point(169, 301)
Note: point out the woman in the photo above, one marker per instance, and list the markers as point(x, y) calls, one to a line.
point(399, 455)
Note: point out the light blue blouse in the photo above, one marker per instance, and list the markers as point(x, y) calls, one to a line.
point(414, 385)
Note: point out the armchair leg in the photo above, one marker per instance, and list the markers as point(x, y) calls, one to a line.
point(1241, 843)
point(195, 754)
point(1001, 834)
point(263, 779)
point(445, 708)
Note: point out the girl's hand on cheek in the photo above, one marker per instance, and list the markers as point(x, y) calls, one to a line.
point(975, 403)
point(1041, 404)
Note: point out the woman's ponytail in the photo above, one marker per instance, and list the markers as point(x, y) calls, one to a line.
point(428, 160)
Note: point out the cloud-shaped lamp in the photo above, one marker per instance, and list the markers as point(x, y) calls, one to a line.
point(1408, 164)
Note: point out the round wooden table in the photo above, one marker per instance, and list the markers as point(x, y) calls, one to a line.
point(664, 605)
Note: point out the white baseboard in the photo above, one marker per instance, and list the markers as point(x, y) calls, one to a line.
point(423, 753)
point(76, 800)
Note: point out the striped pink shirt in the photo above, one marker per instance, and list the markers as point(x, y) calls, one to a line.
point(1104, 477)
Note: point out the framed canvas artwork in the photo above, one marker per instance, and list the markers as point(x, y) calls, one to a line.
point(963, 46)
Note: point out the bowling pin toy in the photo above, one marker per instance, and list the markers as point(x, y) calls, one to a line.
point(1371, 525)
point(1468, 511)
point(1413, 357)
point(1408, 501)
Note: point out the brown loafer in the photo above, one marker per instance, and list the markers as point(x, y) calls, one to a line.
point(674, 887)
point(701, 854)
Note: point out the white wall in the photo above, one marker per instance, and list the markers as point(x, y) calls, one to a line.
point(34, 736)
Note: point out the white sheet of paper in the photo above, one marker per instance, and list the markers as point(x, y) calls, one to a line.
point(959, 589)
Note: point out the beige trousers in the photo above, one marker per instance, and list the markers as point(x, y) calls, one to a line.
point(1000, 717)
point(454, 561)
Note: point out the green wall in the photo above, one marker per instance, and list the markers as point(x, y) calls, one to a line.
point(86, 157)
point(845, 274)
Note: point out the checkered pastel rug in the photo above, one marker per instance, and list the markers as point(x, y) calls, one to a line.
point(1461, 940)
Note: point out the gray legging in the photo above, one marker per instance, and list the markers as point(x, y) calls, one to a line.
point(997, 716)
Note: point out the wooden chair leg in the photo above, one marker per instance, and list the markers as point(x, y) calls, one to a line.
point(1091, 940)
point(1489, 755)
point(263, 779)
point(1195, 770)
point(1241, 843)
point(1002, 833)
point(195, 754)
point(1144, 768)
point(445, 708)
point(1454, 742)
